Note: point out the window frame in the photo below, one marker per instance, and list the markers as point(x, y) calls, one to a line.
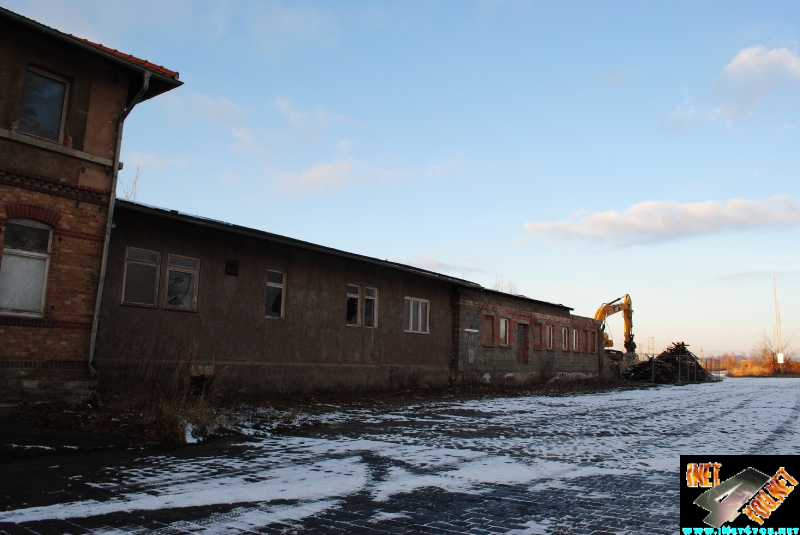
point(576, 340)
point(24, 253)
point(282, 286)
point(63, 117)
point(408, 306)
point(503, 331)
point(374, 299)
point(182, 269)
point(564, 338)
point(550, 334)
point(156, 282)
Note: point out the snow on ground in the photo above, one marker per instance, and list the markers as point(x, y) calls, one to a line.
point(456, 446)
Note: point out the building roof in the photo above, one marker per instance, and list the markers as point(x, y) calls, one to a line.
point(161, 81)
point(204, 222)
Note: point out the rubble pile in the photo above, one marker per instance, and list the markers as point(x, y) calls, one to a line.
point(674, 365)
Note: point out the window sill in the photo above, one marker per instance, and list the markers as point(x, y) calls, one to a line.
point(177, 309)
point(54, 147)
point(25, 320)
point(140, 305)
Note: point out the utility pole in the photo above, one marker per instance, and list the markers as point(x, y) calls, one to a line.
point(653, 360)
point(778, 341)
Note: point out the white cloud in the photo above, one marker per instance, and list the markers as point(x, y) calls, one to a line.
point(158, 161)
point(186, 107)
point(330, 177)
point(253, 143)
point(276, 26)
point(309, 124)
point(431, 264)
point(660, 221)
point(321, 178)
point(444, 169)
point(752, 75)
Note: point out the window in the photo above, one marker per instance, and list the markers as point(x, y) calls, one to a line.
point(503, 332)
point(488, 330)
point(276, 282)
point(564, 338)
point(43, 106)
point(549, 337)
point(353, 295)
point(575, 339)
point(140, 282)
point(415, 315)
point(370, 307)
point(23, 272)
point(181, 291)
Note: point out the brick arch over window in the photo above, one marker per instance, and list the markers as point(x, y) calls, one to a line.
point(29, 211)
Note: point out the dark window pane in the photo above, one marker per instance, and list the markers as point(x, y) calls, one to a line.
point(28, 238)
point(140, 284)
point(352, 289)
point(352, 310)
point(274, 301)
point(42, 106)
point(407, 316)
point(423, 320)
point(179, 261)
point(180, 289)
point(275, 277)
point(369, 313)
point(144, 256)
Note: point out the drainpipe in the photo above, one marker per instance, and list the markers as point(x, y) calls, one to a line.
point(109, 224)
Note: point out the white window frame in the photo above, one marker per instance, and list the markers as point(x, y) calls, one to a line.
point(565, 338)
point(550, 337)
point(156, 264)
point(182, 269)
point(10, 251)
point(503, 334)
point(374, 299)
point(409, 305)
point(282, 286)
point(575, 339)
point(63, 117)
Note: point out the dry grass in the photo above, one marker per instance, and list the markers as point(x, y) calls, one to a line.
point(763, 369)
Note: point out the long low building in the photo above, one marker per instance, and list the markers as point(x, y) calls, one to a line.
point(258, 312)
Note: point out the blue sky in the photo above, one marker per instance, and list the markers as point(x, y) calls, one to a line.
point(571, 151)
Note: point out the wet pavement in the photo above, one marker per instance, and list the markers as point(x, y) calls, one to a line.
point(583, 464)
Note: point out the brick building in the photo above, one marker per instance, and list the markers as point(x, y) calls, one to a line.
point(505, 337)
point(63, 101)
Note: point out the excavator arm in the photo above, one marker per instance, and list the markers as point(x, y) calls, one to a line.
point(621, 304)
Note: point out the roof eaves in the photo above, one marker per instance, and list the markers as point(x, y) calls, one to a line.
point(263, 235)
point(168, 79)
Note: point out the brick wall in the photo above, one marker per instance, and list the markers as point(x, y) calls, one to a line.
point(484, 352)
point(46, 357)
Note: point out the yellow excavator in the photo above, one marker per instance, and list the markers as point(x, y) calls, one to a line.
point(621, 304)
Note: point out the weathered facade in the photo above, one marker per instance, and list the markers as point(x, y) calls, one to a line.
point(266, 313)
point(501, 337)
point(62, 104)
point(260, 312)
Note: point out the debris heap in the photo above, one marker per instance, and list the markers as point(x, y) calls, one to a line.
point(674, 365)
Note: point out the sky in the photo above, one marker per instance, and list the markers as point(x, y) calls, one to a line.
point(572, 152)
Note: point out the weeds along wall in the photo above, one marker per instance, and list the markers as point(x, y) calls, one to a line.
point(263, 313)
